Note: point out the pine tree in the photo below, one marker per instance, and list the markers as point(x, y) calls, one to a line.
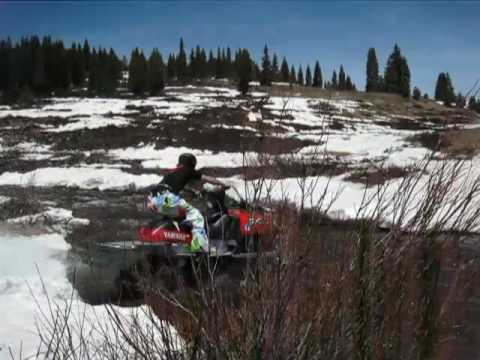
point(348, 84)
point(38, 71)
point(48, 64)
point(444, 89)
point(275, 70)
point(397, 74)
point(156, 72)
point(266, 75)
point(99, 68)
point(392, 71)
point(244, 70)
point(417, 94)
point(372, 83)
point(404, 78)
point(342, 84)
point(317, 76)
point(228, 64)
point(86, 54)
point(223, 64)
point(181, 62)
point(113, 71)
point(285, 73)
point(77, 65)
point(472, 103)
point(98, 72)
point(334, 82)
point(202, 65)
point(218, 64)
point(308, 76)
point(256, 72)
point(293, 75)
point(192, 65)
point(93, 72)
point(440, 87)
point(460, 101)
point(300, 76)
point(171, 67)
point(138, 73)
point(124, 63)
point(450, 91)
point(5, 54)
point(381, 84)
point(62, 77)
point(211, 65)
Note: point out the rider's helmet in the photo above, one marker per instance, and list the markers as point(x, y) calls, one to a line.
point(188, 160)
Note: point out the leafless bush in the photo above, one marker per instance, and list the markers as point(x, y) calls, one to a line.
point(25, 202)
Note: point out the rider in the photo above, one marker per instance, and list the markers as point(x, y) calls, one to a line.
point(165, 200)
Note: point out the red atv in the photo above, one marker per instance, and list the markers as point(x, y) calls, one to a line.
point(112, 271)
point(233, 228)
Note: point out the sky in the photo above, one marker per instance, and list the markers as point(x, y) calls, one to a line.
point(434, 36)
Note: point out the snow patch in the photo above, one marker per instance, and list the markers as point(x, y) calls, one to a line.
point(33, 147)
point(168, 157)
point(254, 116)
point(20, 285)
point(4, 199)
point(85, 178)
point(100, 112)
point(258, 94)
point(234, 127)
point(71, 107)
point(39, 281)
point(51, 216)
point(105, 166)
point(31, 150)
point(92, 122)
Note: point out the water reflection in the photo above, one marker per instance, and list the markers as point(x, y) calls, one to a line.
point(123, 274)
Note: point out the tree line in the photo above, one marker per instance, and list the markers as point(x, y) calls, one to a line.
point(150, 75)
point(46, 66)
point(396, 79)
point(43, 66)
point(271, 72)
point(237, 67)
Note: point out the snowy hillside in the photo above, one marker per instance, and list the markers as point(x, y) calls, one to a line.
point(126, 143)
point(65, 154)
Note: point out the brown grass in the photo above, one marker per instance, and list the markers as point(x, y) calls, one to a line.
point(461, 142)
point(377, 176)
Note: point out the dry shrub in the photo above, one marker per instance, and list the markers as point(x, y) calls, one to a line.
point(24, 203)
point(379, 297)
point(377, 175)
